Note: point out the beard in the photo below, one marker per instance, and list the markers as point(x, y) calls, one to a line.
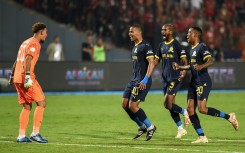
point(166, 37)
point(42, 41)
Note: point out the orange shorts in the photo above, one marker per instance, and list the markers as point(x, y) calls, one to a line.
point(34, 93)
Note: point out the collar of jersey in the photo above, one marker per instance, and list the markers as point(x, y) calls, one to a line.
point(169, 42)
point(35, 39)
point(138, 43)
point(195, 45)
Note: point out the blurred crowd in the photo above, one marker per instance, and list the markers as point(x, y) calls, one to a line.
point(223, 21)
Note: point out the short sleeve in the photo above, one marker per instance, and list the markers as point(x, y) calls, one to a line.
point(148, 51)
point(32, 49)
point(158, 52)
point(205, 52)
point(181, 52)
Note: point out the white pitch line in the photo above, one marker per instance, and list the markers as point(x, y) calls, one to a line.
point(220, 140)
point(133, 147)
point(213, 140)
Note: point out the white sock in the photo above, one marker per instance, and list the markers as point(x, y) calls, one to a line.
point(33, 134)
point(180, 127)
point(185, 112)
point(21, 136)
point(151, 127)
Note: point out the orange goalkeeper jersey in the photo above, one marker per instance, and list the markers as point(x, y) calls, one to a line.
point(30, 47)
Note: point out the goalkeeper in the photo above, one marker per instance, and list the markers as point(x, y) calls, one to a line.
point(28, 88)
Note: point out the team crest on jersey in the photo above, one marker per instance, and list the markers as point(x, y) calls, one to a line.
point(135, 51)
point(171, 49)
point(32, 49)
point(183, 52)
point(194, 53)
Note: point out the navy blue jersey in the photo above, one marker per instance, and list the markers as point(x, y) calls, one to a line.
point(170, 52)
point(198, 55)
point(140, 53)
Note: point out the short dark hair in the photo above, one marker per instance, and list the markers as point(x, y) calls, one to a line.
point(138, 26)
point(38, 26)
point(198, 30)
point(170, 26)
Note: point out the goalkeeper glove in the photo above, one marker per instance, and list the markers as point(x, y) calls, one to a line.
point(28, 81)
point(145, 80)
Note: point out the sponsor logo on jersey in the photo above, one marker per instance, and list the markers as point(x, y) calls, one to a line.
point(134, 57)
point(206, 52)
point(149, 52)
point(183, 52)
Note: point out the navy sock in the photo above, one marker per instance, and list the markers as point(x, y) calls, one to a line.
point(176, 118)
point(134, 117)
point(196, 124)
point(143, 118)
point(217, 113)
point(177, 109)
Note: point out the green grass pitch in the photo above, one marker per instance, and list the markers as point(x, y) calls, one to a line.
point(98, 124)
